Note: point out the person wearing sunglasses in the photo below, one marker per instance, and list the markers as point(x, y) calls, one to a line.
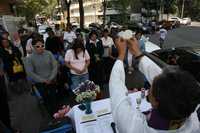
point(41, 67)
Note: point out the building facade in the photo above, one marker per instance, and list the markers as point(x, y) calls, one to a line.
point(93, 11)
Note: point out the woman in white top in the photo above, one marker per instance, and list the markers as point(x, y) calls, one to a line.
point(174, 96)
point(77, 60)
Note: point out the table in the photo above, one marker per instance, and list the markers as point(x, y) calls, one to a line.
point(100, 119)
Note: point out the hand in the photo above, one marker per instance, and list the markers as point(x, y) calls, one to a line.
point(134, 47)
point(121, 47)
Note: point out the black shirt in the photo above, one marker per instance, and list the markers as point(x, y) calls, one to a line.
point(54, 45)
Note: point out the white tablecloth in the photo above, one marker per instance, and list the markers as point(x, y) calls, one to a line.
point(100, 119)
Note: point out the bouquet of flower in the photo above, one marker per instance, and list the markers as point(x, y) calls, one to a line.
point(86, 91)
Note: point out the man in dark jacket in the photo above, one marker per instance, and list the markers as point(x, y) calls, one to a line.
point(53, 43)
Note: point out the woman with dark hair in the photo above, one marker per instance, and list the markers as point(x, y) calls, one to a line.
point(96, 51)
point(77, 60)
point(17, 83)
point(13, 65)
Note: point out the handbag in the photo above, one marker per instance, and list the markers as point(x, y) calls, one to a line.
point(17, 66)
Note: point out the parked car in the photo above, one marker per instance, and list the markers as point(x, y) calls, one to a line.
point(187, 58)
point(186, 21)
point(175, 19)
point(94, 26)
point(169, 24)
point(115, 25)
point(149, 46)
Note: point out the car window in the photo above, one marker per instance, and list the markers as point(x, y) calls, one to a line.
point(167, 56)
point(186, 60)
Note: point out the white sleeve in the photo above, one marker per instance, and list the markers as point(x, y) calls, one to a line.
point(149, 68)
point(74, 36)
point(128, 120)
point(120, 104)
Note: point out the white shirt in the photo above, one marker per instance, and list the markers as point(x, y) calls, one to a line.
point(69, 36)
point(132, 121)
point(19, 46)
point(107, 43)
point(163, 33)
point(29, 46)
point(58, 33)
point(45, 36)
point(77, 63)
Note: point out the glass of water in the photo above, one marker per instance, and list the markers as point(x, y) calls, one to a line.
point(138, 101)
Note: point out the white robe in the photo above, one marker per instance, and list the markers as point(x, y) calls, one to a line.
point(132, 121)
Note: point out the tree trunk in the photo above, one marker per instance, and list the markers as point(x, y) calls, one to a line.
point(182, 9)
point(104, 12)
point(81, 11)
point(68, 14)
point(68, 11)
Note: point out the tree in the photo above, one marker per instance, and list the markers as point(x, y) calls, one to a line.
point(169, 7)
point(104, 12)
point(123, 7)
point(49, 8)
point(191, 8)
point(29, 8)
point(81, 11)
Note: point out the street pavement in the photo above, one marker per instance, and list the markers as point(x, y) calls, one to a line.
point(27, 116)
point(180, 37)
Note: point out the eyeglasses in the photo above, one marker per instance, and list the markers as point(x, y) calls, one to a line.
point(39, 46)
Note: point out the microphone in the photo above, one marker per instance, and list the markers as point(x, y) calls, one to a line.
point(113, 127)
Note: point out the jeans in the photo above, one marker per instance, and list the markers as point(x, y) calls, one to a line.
point(77, 79)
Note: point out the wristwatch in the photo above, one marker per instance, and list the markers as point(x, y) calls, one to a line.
point(139, 56)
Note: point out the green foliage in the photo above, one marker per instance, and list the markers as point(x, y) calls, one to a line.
point(170, 6)
point(48, 10)
point(192, 9)
point(29, 8)
point(123, 7)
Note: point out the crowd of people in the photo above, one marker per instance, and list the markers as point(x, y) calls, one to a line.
point(60, 61)
point(63, 60)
